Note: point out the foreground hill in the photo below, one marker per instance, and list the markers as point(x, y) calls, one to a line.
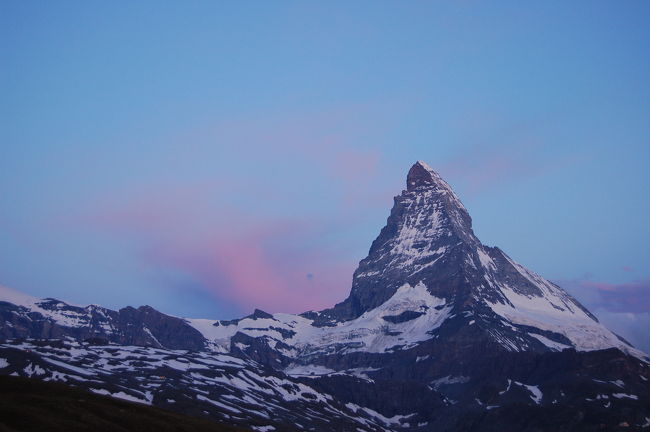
point(33, 405)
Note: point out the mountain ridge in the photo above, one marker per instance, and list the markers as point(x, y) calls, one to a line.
point(454, 328)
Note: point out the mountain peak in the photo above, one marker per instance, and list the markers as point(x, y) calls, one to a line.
point(423, 180)
point(421, 174)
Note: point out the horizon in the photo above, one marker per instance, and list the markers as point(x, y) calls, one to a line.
point(218, 167)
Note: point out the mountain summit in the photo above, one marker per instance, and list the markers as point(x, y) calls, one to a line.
point(428, 240)
point(439, 333)
point(428, 232)
point(422, 175)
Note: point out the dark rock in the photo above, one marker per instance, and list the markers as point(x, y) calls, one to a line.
point(403, 317)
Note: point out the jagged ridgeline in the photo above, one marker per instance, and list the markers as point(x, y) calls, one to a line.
point(439, 333)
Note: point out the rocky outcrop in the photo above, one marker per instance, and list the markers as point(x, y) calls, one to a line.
point(53, 319)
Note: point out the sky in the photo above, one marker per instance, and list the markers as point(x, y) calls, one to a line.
point(208, 158)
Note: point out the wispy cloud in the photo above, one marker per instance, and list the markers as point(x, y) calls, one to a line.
point(484, 166)
point(238, 259)
point(625, 297)
point(243, 231)
point(493, 151)
point(632, 297)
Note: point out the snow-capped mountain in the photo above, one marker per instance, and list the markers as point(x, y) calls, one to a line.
point(425, 267)
point(439, 332)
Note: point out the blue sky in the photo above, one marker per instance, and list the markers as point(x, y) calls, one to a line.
point(211, 157)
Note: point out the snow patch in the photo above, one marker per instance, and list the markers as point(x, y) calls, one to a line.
point(123, 396)
point(625, 395)
point(296, 370)
point(555, 346)
point(371, 333)
point(32, 369)
point(446, 380)
point(543, 312)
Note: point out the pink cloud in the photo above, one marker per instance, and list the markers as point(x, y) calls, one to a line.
point(481, 167)
point(247, 261)
point(250, 270)
point(626, 297)
point(494, 152)
point(240, 225)
point(633, 297)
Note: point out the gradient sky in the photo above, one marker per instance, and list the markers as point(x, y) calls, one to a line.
point(207, 158)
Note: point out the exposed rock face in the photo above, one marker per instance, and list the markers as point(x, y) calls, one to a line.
point(51, 319)
point(426, 238)
point(439, 333)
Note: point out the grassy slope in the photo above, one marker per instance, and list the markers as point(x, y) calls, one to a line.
point(31, 405)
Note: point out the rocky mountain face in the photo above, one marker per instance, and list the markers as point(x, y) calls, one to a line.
point(52, 319)
point(440, 332)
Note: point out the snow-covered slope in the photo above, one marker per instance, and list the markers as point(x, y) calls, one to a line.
point(224, 387)
point(399, 323)
point(426, 266)
point(556, 312)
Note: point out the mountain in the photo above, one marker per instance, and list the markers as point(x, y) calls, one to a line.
point(439, 332)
